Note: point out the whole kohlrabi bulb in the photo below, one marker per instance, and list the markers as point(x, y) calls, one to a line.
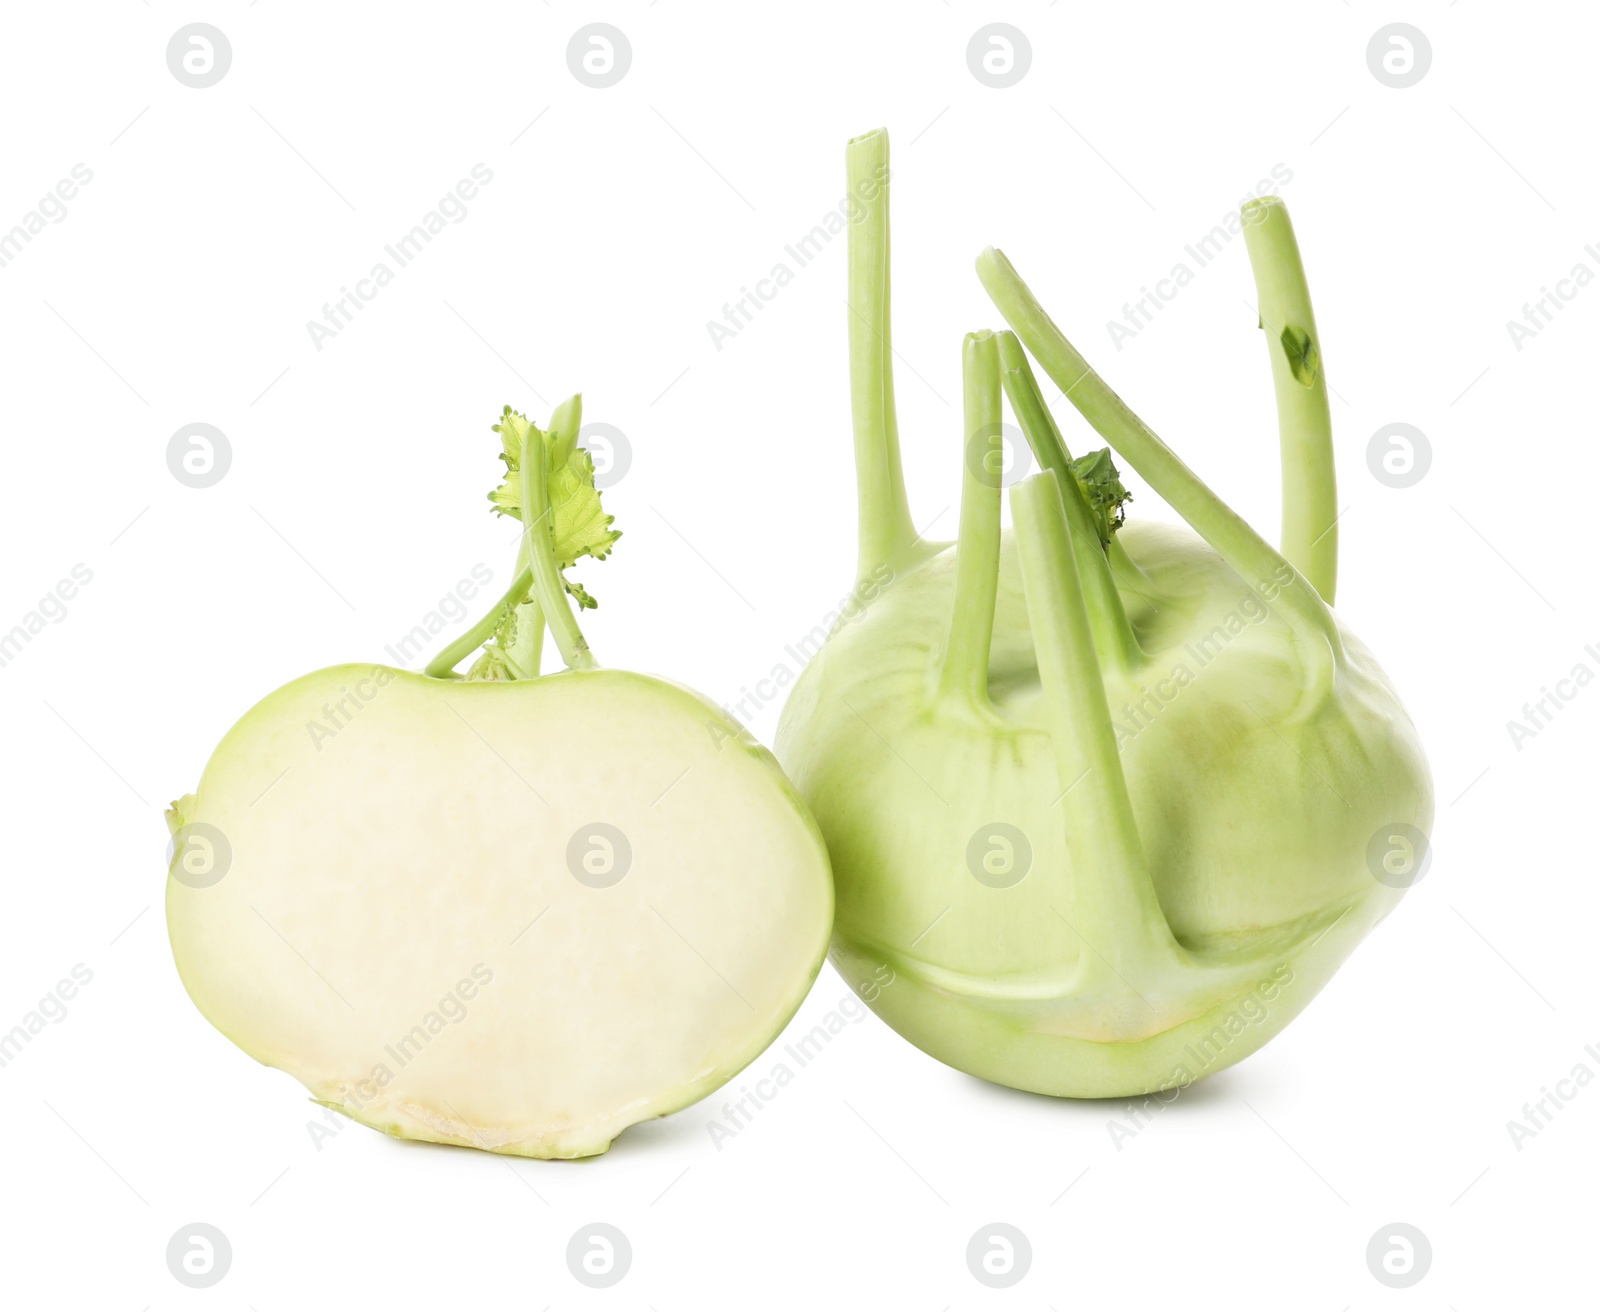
point(1106, 805)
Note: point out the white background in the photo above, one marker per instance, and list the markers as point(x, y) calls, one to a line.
point(177, 290)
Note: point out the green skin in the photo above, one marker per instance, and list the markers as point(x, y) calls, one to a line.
point(1196, 752)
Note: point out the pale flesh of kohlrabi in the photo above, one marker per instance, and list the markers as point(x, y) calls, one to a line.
point(422, 919)
point(1109, 804)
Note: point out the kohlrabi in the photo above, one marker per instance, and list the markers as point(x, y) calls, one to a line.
point(1112, 802)
point(509, 911)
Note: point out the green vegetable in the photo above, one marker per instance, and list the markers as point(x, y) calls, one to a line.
point(1112, 801)
point(511, 912)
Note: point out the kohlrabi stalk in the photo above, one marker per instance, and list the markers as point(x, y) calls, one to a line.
point(554, 537)
point(964, 672)
point(1117, 911)
point(538, 548)
point(1115, 642)
point(1310, 538)
point(886, 533)
point(1265, 569)
point(443, 665)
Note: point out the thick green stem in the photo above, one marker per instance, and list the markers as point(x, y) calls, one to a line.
point(1130, 575)
point(1109, 896)
point(1038, 425)
point(1113, 635)
point(444, 664)
point(886, 533)
point(1274, 578)
point(965, 672)
point(565, 423)
point(1124, 567)
point(541, 555)
point(1310, 538)
point(526, 653)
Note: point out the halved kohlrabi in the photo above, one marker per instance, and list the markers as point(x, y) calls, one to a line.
point(513, 912)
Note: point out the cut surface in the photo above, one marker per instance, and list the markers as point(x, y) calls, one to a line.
point(510, 916)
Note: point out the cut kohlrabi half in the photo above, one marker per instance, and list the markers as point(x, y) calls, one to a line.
point(513, 912)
